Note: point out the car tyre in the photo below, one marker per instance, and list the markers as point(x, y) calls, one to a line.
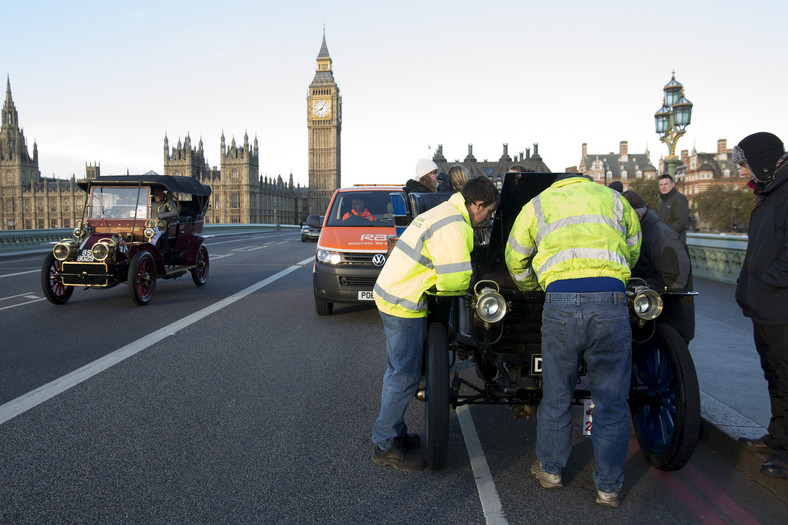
point(323, 307)
point(52, 281)
point(437, 396)
point(142, 278)
point(667, 421)
point(202, 267)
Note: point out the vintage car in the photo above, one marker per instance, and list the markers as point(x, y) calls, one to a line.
point(498, 327)
point(118, 240)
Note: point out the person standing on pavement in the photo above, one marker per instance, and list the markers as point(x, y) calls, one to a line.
point(577, 241)
point(673, 207)
point(433, 252)
point(762, 287)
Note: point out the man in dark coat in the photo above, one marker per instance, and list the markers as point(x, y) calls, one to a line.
point(673, 207)
point(762, 289)
point(665, 265)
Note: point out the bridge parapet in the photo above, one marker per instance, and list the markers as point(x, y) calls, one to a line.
point(717, 257)
point(24, 240)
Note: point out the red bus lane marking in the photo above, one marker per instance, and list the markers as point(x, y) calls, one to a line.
point(717, 495)
point(703, 512)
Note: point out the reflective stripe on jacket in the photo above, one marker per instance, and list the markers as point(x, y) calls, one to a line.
point(434, 251)
point(574, 229)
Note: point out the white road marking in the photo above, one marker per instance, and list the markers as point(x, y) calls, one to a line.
point(15, 296)
point(20, 273)
point(43, 393)
point(488, 494)
point(21, 304)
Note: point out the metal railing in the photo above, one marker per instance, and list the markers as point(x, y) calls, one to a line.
point(42, 240)
point(716, 257)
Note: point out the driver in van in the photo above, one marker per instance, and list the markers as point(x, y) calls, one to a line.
point(359, 210)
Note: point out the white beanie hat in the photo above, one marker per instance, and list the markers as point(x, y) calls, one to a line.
point(424, 166)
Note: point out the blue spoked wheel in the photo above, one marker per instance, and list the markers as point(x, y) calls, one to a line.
point(437, 396)
point(665, 399)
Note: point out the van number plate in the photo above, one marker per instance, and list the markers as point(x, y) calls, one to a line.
point(365, 295)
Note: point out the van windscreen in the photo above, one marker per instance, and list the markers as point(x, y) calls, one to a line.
point(361, 208)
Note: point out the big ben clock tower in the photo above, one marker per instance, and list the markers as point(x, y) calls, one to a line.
point(324, 122)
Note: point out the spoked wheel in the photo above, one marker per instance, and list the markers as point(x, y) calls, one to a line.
point(52, 281)
point(665, 402)
point(142, 278)
point(437, 396)
point(200, 271)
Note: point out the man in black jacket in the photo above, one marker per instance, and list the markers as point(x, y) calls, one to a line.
point(673, 207)
point(665, 265)
point(762, 289)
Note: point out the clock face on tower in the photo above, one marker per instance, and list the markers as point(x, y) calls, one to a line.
point(321, 108)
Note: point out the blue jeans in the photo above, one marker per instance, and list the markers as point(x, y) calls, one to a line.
point(404, 350)
point(594, 327)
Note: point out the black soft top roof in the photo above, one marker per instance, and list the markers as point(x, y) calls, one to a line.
point(168, 182)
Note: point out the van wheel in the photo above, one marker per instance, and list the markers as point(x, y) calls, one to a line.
point(323, 307)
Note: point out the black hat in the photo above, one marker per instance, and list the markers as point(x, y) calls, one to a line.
point(761, 151)
point(635, 200)
point(616, 185)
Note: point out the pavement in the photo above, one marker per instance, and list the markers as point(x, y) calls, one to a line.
point(733, 392)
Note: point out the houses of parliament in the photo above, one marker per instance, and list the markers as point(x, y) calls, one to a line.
point(239, 193)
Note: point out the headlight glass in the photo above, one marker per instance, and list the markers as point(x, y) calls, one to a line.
point(328, 257)
point(647, 304)
point(100, 251)
point(63, 249)
point(490, 305)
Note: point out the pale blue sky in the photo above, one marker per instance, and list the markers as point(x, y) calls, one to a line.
point(95, 81)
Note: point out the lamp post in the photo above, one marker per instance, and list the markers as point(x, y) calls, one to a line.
point(672, 119)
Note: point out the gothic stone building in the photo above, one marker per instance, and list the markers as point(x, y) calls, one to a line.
point(29, 201)
point(239, 195)
point(324, 122)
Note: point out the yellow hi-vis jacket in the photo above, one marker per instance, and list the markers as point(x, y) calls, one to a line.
point(574, 229)
point(434, 251)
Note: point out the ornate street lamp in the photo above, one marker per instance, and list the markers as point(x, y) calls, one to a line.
point(672, 119)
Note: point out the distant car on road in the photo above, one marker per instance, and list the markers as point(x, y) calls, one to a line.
point(310, 230)
point(119, 240)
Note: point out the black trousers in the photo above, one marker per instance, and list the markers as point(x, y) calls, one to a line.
point(771, 341)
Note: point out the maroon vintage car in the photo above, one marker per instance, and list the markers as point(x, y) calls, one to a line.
point(120, 240)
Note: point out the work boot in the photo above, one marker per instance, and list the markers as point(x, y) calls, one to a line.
point(764, 444)
point(547, 480)
point(399, 457)
point(609, 499)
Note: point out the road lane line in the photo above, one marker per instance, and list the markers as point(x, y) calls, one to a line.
point(43, 393)
point(488, 494)
point(22, 304)
point(15, 296)
point(20, 273)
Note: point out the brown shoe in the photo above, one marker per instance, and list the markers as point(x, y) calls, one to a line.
point(764, 444)
point(399, 457)
point(547, 480)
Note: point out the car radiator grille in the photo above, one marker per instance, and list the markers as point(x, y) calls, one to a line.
point(522, 332)
point(84, 274)
point(358, 258)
